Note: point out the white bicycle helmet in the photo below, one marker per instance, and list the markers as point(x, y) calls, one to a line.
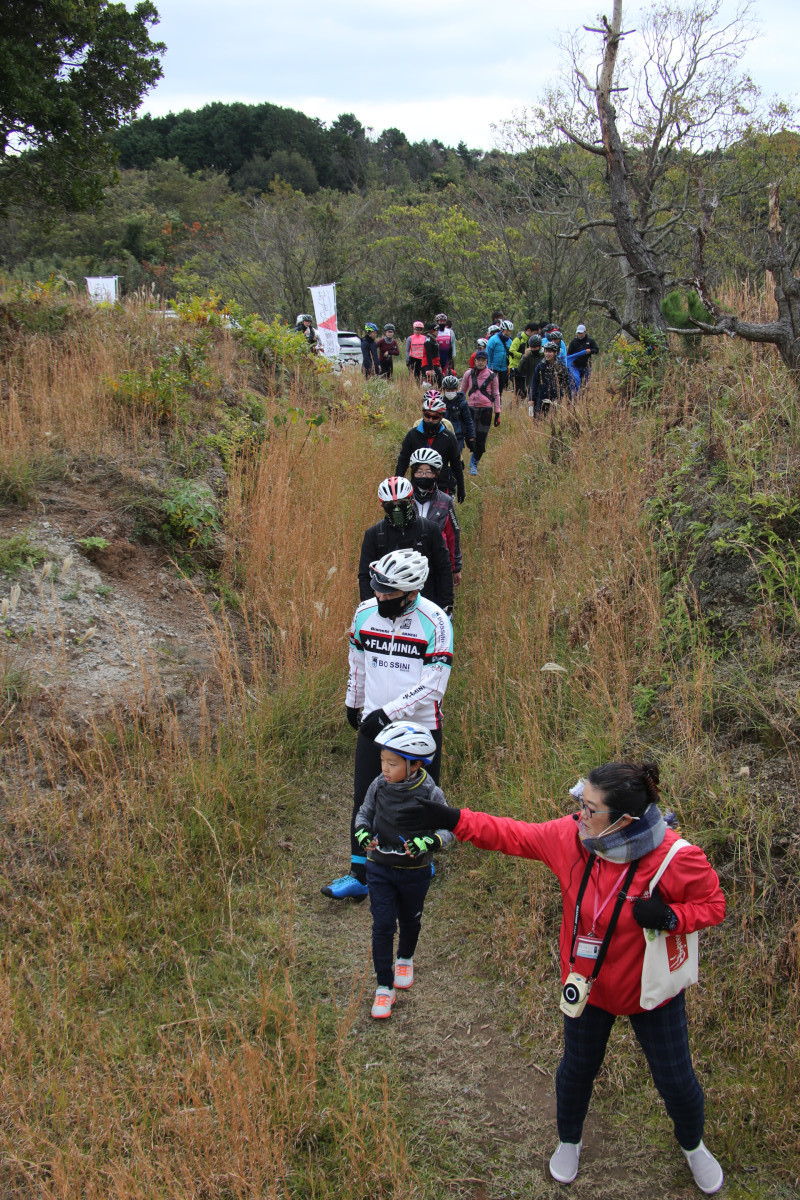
point(450, 383)
point(426, 457)
point(303, 317)
point(506, 326)
point(409, 740)
point(481, 343)
point(492, 329)
point(399, 571)
point(432, 402)
point(396, 487)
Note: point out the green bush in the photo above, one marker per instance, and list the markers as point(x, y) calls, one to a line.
point(191, 515)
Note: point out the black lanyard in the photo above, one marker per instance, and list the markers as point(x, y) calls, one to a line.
point(623, 892)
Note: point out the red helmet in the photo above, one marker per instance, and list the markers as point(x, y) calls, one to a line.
point(419, 325)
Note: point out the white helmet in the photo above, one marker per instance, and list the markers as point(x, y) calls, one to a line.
point(408, 739)
point(427, 457)
point(506, 326)
point(304, 317)
point(396, 487)
point(399, 571)
point(492, 329)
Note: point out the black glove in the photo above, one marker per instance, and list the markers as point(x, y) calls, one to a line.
point(496, 419)
point(423, 844)
point(363, 836)
point(441, 816)
point(448, 609)
point(471, 444)
point(654, 913)
point(461, 493)
point(353, 716)
point(373, 723)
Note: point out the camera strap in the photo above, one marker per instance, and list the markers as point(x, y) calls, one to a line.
point(612, 924)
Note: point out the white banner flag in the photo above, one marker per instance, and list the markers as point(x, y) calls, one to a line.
point(324, 298)
point(102, 288)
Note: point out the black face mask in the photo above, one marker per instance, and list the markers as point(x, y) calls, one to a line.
point(392, 608)
point(423, 488)
point(431, 425)
point(399, 513)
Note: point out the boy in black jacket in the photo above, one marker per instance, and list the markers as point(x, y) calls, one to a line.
point(392, 830)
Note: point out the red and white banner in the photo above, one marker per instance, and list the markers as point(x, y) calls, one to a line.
point(324, 298)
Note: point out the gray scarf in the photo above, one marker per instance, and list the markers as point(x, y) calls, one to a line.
point(632, 842)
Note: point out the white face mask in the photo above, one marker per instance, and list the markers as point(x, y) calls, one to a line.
point(451, 395)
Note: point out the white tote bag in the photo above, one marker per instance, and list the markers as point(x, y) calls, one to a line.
point(671, 960)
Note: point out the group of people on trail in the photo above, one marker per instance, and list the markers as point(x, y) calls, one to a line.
point(627, 879)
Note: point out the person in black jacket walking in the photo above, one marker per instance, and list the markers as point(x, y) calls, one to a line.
point(433, 433)
point(370, 359)
point(550, 383)
point(583, 346)
point(458, 413)
point(402, 529)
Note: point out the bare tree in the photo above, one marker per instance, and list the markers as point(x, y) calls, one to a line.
point(662, 114)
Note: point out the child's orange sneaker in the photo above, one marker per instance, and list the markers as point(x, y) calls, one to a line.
point(382, 1004)
point(404, 973)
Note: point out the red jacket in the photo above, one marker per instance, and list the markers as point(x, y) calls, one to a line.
point(689, 885)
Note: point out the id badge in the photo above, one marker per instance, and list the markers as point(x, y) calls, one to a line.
point(588, 947)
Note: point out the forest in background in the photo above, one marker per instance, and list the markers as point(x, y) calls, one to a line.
point(224, 200)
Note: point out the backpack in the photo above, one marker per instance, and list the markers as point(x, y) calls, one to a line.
point(481, 387)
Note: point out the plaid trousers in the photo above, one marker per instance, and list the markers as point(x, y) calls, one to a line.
point(664, 1038)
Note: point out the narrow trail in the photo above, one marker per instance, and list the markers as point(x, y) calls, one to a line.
point(450, 1040)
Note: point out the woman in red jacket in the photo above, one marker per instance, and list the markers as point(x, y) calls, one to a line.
point(617, 838)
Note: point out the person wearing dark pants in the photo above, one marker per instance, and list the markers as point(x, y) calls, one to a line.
point(391, 828)
point(664, 1038)
point(481, 389)
point(622, 871)
point(401, 651)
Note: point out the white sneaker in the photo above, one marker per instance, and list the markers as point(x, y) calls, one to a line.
point(564, 1163)
point(706, 1170)
point(382, 1004)
point(404, 973)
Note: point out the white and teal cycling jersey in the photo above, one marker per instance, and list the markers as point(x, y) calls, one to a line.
point(401, 665)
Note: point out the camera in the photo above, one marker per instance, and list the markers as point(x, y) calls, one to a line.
point(574, 994)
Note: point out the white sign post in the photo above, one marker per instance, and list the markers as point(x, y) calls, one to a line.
point(102, 288)
point(324, 298)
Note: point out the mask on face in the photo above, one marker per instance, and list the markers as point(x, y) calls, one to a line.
point(431, 424)
point(450, 395)
point(423, 487)
point(392, 608)
point(399, 514)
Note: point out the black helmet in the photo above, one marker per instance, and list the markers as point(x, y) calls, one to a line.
point(534, 341)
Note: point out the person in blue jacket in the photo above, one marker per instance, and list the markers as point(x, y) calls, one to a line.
point(497, 348)
point(370, 359)
point(458, 413)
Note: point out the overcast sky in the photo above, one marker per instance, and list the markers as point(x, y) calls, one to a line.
point(446, 70)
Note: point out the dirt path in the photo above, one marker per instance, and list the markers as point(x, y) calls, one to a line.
point(476, 1090)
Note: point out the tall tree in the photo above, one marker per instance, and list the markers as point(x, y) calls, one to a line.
point(71, 71)
point(661, 113)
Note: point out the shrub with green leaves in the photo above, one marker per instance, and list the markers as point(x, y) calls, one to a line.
point(191, 516)
point(640, 364)
point(17, 552)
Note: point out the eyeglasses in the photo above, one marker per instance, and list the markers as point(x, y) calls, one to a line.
point(591, 812)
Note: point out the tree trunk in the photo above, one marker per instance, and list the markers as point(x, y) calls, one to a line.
point(644, 289)
point(785, 331)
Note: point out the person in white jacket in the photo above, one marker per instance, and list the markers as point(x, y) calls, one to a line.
point(401, 651)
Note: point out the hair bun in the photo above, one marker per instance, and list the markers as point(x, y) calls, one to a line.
point(651, 774)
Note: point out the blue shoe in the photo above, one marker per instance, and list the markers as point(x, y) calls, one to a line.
point(433, 870)
point(346, 887)
point(473, 465)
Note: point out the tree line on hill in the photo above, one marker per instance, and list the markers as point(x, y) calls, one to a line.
point(253, 144)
